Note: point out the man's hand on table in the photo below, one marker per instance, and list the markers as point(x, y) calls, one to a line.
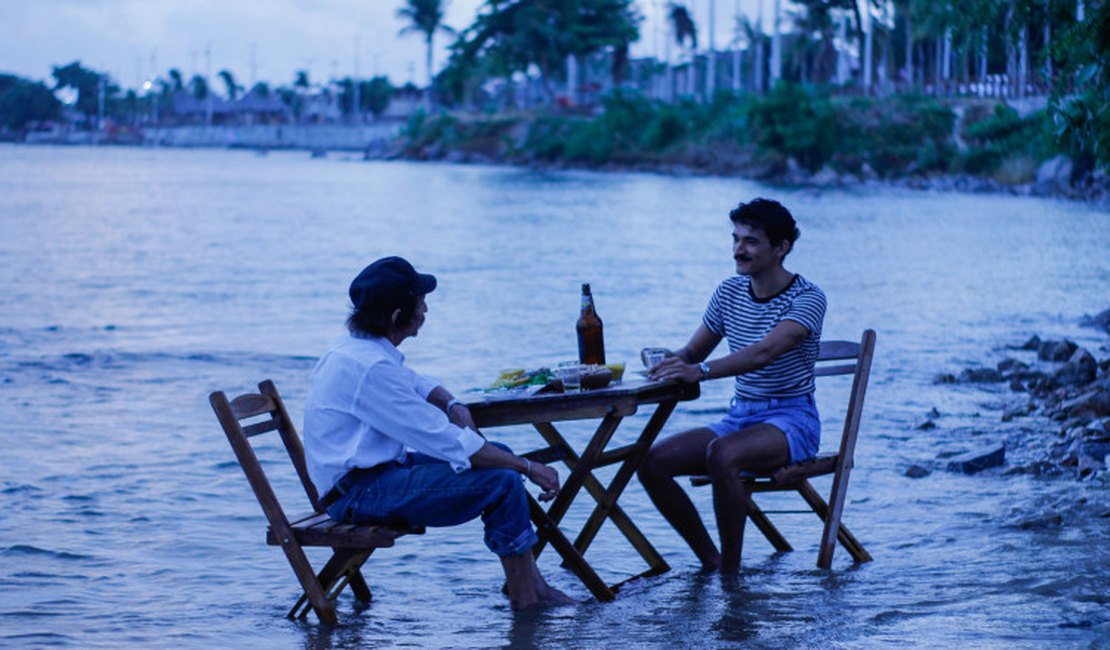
point(674, 368)
point(545, 477)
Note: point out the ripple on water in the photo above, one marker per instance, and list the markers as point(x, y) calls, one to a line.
point(40, 638)
point(26, 550)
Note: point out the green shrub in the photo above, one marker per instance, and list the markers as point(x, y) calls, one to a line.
point(1003, 135)
point(1017, 169)
point(895, 135)
point(414, 124)
point(794, 121)
point(590, 143)
point(547, 137)
point(978, 162)
point(667, 128)
point(425, 130)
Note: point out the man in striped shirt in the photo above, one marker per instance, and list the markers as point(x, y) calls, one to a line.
point(772, 320)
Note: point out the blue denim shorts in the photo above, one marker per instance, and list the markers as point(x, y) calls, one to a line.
point(794, 416)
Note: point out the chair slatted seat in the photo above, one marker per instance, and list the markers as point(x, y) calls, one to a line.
point(795, 477)
point(351, 545)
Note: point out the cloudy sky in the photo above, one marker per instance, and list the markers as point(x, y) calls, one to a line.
point(130, 39)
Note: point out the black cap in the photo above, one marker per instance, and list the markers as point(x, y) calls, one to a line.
point(383, 283)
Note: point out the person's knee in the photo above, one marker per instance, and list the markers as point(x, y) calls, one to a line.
point(503, 482)
point(718, 460)
point(654, 467)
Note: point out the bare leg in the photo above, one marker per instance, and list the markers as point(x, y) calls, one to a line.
point(758, 448)
point(526, 586)
point(682, 454)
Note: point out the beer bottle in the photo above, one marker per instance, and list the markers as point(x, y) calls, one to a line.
point(591, 344)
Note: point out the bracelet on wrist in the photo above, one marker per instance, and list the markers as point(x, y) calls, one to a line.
point(452, 404)
point(704, 365)
point(527, 468)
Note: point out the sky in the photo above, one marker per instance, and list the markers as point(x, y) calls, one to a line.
point(260, 40)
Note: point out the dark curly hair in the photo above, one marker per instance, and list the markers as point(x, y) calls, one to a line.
point(769, 216)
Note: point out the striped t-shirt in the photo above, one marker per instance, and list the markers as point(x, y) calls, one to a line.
point(743, 319)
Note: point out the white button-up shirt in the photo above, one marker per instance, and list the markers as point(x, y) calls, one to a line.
point(365, 408)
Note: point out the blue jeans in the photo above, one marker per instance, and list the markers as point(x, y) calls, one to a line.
point(424, 491)
point(796, 417)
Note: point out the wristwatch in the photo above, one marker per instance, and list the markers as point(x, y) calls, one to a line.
point(452, 404)
point(704, 365)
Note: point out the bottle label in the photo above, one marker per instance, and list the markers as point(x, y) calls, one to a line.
point(585, 301)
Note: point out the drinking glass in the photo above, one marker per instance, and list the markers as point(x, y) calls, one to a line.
point(652, 357)
point(570, 373)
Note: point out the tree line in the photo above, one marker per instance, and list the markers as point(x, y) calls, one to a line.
point(1055, 47)
point(95, 96)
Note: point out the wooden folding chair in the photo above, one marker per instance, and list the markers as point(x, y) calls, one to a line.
point(351, 545)
point(796, 477)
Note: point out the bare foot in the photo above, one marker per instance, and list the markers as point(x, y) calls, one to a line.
point(543, 595)
point(552, 597)
point(525, 585)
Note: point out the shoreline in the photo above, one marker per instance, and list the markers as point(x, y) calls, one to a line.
point(1093, 195)
point(387, 142)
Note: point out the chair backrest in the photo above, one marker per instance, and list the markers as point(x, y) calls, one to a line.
point(859, 355)
point(254, 414)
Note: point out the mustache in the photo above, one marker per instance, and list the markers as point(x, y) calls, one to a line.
point(742, 258)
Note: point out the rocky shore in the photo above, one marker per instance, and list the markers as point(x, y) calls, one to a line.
point(1064, 385)
point(787, 138)
point(1057, 177)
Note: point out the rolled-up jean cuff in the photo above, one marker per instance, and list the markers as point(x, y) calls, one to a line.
point(521, 544)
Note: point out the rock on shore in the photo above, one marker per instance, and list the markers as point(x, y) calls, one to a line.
point(1066, 384)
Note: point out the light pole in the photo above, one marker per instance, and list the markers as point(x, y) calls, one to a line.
point(100, 87)
point(760, 52)
point(711, 68)
point(153, 77)
point(356, 106)
point(865, 10)
point(736, 68)
point(208, 83)
point(776, 45)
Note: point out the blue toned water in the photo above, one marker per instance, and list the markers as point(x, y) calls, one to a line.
point(133, 282)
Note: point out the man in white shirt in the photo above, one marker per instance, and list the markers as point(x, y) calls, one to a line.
point(386, 445)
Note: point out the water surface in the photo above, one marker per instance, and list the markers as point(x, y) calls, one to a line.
point(135, 281)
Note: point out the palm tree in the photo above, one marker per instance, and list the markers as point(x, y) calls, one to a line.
point(301, 80)
point(425, 17)
point(176, 80)
point(684, 28)
point(229, 82)
point(748, 32)
point(299, 96)
point(683, 24)
point(199, 86)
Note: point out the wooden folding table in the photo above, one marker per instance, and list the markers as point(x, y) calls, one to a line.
point(611, 405)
